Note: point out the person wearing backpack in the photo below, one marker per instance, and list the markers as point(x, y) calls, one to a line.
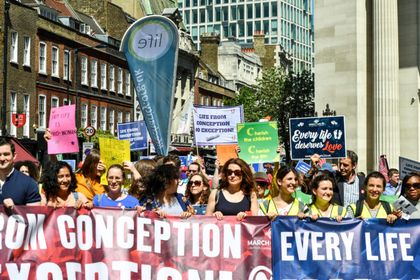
point(371, 206)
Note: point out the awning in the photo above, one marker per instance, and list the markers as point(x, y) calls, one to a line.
point(23, 154)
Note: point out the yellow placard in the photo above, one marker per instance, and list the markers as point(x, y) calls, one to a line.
point(113, 151)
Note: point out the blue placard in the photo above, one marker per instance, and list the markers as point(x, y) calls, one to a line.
point(352, 249)
point(136, 132)
point(325, 136)
point(72, 163)
point(302, 167)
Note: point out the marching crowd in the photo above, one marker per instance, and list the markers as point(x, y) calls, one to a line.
point(160, 185)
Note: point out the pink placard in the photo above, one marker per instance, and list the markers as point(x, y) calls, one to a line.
point(63, 130)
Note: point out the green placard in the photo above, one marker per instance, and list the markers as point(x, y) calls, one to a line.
point(258, 142)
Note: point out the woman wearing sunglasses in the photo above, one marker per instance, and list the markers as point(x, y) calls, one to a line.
point(198, 191)
point(282, 202)
point(411, 191)
point(236, 192)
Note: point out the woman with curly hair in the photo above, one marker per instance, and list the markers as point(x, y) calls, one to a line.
point(144, 167)
point(235, 195)
point(161, 195)
point(282, 202)
point(198, 192)
point(59, 185)
point(28, 168)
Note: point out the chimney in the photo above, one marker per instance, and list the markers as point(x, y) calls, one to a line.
point(259, 44)
point(209, 43)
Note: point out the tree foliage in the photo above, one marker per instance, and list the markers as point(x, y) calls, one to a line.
point(280, 96)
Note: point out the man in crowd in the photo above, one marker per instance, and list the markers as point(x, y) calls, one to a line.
point(393, 187)
point(15, 187)
point(349, 184)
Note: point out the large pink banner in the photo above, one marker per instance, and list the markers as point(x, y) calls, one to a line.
point(63, 129)
point(38, 243)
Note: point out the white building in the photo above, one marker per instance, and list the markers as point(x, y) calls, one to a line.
point(284, 22)
point(367, 69)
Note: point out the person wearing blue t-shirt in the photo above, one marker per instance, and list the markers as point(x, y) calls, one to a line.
point(114, 197)
point(15, 187)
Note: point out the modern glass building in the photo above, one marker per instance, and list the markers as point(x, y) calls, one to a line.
point(285, 22)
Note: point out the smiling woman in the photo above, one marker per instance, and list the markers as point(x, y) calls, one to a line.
point(59, 185)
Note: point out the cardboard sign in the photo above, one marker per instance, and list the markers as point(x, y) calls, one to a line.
point(226, 152)
point(407, 166)
point(216, 125)
point(325, 136)
point(63, 130)
point(258, 142)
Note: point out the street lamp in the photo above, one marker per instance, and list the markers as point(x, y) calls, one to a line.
point(76, 68)
point(328, 111)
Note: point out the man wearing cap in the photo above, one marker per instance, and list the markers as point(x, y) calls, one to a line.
point(263, 184)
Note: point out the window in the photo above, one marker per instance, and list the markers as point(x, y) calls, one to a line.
point(66, 102)
point(13, 110)
point(111, 121)
point(84, 74)
point(84, 115)
point(102, 111)
point(120, 80)
point(67, 65)
point(26, 51)
point(42, 58)
point(94, 116)
point(127, 117)
point(94, 73)
point(119, 117)
point(42, 108)
point(103, 76)
point(26, 106)
point(14, 47)
point(127, 81)
point(54, 62)
point(112, 78)
point(54, 102)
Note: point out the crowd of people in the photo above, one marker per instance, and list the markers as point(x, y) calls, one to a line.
point(234, 190)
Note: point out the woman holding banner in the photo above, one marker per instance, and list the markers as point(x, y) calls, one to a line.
point(161, 195)
point(411, 191)
point(283, 203)
point(372, 206)
point(59, 185)
point(322, 187)
point(236, 192)
point(114, 197)
point(198, 191)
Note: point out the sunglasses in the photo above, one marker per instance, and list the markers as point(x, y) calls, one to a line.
point(237, 173)
point(196, 182)
point(415, 185)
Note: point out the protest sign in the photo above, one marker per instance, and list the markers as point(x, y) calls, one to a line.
point(407, 166)
point(150, 46)
point(47, 243)
point(63, 130)
point(258, 142)
point(216, 125)
point(87, 148)
point(226, 152)
point(209, 164)
point(324, 136)
point(303, 167)
point(136, 132)
point(113, 152)
point(352, 249)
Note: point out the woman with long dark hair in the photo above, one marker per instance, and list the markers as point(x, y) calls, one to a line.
point(411, 191)
point(59, 185)
point(198, 192)
point(235, 195)
point(161, 195)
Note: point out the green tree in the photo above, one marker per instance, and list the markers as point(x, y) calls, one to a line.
point(247, 99)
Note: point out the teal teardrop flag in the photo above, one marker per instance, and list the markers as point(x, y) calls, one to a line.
point(150, 46)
